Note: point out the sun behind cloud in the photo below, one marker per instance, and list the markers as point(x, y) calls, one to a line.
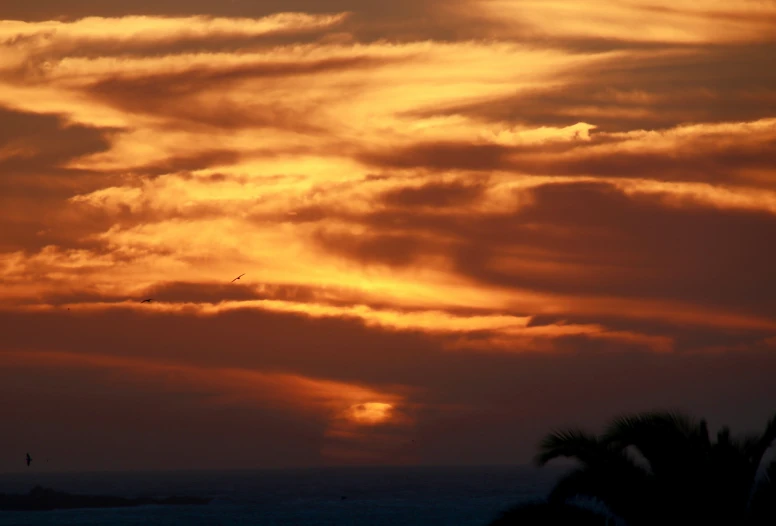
point(458, 224)
point(370, 413)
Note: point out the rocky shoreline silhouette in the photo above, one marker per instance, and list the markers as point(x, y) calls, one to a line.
point(46, 499)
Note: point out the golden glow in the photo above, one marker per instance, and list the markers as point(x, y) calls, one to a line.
point(134, 29)
point(491, 180)
point(682, 21)
point(370, 412)
point(226, 385)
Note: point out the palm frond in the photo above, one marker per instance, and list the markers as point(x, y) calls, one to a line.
point(628, 426)
point(570, 443)
point(547, 513)
point(749, 442)
point(703, 435)
point(625, 499)
point(767, 438)
point(762, 507)
point(670, 442)
point(704, 480)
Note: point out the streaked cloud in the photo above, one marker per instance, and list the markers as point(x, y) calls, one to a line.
point(423, 200)
point(339, 404)
point(681, 22)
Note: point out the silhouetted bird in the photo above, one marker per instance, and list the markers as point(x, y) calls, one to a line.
point(149, 300)
point(29, 459)
point(238, 277)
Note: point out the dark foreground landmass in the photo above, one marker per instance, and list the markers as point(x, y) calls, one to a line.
point(42, 499)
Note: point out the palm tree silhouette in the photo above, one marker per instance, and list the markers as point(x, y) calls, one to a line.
point(535, 513)
point(663, 468)
point(762, 512)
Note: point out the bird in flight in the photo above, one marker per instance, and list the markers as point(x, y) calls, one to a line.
point(238, 277)
point(149, 300)
point(29, 459)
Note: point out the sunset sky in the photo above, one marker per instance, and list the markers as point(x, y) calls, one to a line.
point(462, 224)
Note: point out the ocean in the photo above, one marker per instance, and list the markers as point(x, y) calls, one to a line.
point(375, 496)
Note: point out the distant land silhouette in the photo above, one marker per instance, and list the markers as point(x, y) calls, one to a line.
point(44, 499)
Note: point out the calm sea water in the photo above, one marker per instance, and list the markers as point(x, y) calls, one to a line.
point(448, 496)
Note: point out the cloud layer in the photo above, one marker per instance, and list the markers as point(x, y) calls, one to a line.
point(453, 221)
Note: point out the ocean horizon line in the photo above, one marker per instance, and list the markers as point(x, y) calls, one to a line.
point(343, 467)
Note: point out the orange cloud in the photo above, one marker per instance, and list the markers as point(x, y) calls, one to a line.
point(224, 384)
point(347, 407)
point(681, 21)
point(40, 36)
point(490, 183)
